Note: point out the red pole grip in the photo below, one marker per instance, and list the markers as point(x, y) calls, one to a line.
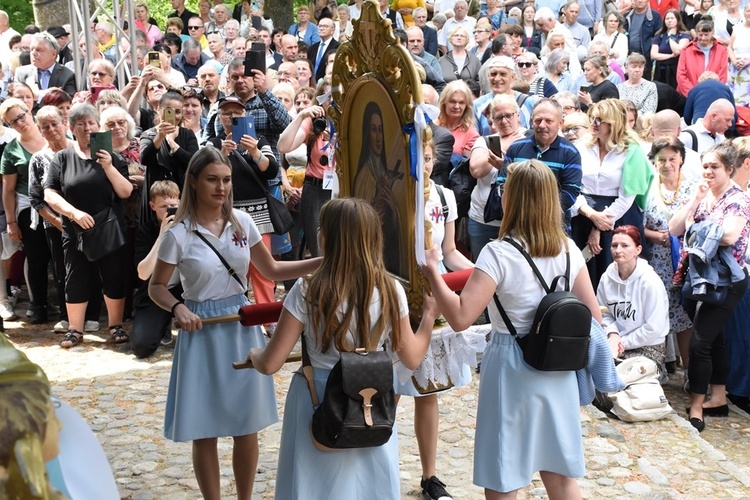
point(260, 314)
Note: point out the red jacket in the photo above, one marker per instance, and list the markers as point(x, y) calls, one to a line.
point(664, 6)
point(692, 62)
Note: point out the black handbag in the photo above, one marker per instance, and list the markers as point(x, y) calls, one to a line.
point(493, 209)
point(462, 183)
point(560, 333)
point(103, 239)
point(359, 405)
point(281, 219)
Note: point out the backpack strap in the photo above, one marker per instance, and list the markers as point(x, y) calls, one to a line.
point(506, 319)
point(521, 99)
point(442, 202)
point(526, 256)
point(375, 334)
point(693, 136)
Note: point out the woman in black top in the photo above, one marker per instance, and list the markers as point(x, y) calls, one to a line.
point(247, 194)
point(596, 70)
point(80, 184)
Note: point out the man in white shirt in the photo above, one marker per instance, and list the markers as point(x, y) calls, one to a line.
point(547, 22)
point(666, 123)
point(581, 35)
point(460, 18)
point(396, 20)
point(710, 129)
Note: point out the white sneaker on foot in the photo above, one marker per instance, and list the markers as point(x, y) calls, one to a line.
point(15, 292)
point(91, 326)
point(6, 310)
point(61, 326)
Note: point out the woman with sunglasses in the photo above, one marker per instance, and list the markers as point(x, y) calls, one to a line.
point(616, 178)
point(539, 85)
point(14, 167)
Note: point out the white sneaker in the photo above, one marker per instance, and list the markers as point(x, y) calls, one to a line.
point(91, 326)
point(6, 310)
point(61, 326)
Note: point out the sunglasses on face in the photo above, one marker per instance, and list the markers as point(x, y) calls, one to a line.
point(597, 122)
point(100, 74)
point(194, 27)
point(525, 64)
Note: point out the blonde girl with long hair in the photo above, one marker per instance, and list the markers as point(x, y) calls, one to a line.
point(336, 308)
point(528, 421)
point(207, 399)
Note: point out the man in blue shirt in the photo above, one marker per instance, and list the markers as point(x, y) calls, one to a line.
point(558, 153)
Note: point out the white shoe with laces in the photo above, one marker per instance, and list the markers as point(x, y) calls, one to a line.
point(6, 310)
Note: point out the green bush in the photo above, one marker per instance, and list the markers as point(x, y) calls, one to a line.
point(20, 12)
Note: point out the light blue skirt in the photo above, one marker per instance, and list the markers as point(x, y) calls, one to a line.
point(527, 420)
point(207, 397)
point(306, 472)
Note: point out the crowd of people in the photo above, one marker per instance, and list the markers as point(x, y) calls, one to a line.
point(612, 132)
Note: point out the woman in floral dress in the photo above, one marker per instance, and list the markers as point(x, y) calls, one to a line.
point(669, 194)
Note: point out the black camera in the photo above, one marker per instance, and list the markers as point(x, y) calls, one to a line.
point(319, 125)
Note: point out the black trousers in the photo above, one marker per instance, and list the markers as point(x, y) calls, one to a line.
point(94, 307)
point(150, 324)
point(37, 254)
point(708, 354)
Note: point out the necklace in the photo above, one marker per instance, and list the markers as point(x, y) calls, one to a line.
point(674, 193)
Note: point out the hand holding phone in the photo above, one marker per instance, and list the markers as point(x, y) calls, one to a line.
point(153, 59)
point(493, 142)
point(169, 116)
point(171, 211)
point(586, 88)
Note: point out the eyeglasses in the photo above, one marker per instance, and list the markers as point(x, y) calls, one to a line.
point(568, 109)
point(116, 123)
point(18, 119)
point(499, 118)
point(99, 73)
point(525, 64)
point(157, 86)
point(597, 122)
point(481, 31)
point(235, 114)
point(573, 129)
point(194, 27)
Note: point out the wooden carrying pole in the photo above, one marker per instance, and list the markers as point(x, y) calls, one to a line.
point(258, 314)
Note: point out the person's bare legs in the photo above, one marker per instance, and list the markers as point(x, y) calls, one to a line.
point(206, 467)
point(76, 315)
point(245, 464)
point(115, 309)
point(426, 420)
point(496, 495)
point(683, 345)
point(718, 396)
point(560, 487)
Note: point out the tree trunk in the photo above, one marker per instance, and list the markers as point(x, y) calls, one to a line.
point(281, 11)
point(51, 13)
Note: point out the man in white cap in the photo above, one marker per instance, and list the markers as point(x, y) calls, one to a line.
point(501, 70)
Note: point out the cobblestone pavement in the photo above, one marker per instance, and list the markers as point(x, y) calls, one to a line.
point(123, 400)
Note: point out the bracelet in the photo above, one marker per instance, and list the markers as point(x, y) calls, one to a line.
point(612, 333)
point(175, 306)
point(260, 158)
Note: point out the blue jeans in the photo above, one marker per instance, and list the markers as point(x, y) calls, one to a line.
point(479, 235)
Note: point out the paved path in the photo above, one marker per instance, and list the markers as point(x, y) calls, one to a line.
point(123, 400)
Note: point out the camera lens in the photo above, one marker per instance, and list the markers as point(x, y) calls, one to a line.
point(319, 125)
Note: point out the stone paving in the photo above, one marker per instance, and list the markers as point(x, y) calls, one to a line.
point(123, 400)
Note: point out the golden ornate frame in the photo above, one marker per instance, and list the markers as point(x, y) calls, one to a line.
point(374, 56)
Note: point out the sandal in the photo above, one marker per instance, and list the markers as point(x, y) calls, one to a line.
point(118, 334)
point(71, 339)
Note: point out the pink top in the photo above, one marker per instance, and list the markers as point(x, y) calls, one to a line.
point(464, 139)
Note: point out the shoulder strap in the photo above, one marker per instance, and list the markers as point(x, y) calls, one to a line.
point(617, 33)
point(375, 334)
point(520, 99)
point(263, 185)
point(442, 201)
point(232, 272)
point(693, 136)
point(528, 258)
point(506, 319)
